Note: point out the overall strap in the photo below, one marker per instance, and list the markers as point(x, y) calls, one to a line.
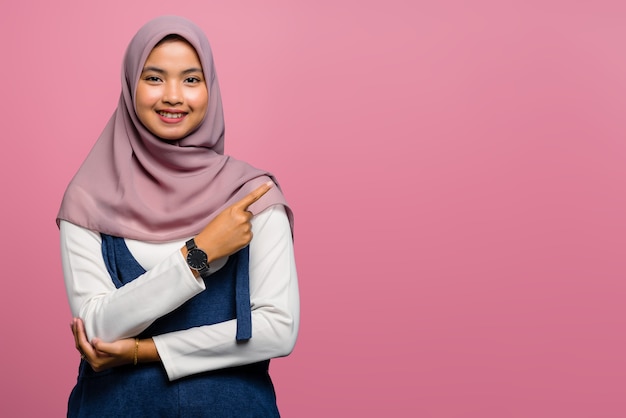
point(242, 295)
point(120, 263)
point(124, 268)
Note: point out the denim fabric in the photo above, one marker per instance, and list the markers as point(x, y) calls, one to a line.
point(145, 391)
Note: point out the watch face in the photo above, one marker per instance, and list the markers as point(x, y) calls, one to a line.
point(197, 259)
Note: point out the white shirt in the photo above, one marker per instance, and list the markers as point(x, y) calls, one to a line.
point(111, 314)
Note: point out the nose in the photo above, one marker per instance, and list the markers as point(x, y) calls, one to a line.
point(172, 94)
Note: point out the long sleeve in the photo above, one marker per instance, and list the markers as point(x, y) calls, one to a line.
point(274, 302)
point(111, 313)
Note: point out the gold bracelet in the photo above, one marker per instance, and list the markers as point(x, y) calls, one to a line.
point(136, 351)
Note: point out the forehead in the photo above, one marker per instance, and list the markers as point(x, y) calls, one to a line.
point(173, 53)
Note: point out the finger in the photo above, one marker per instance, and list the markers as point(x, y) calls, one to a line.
point(84, 345)
point(74, 327)
point(75, 333)
point(253, 196)
point(103, 348)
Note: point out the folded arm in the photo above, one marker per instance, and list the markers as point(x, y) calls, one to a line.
point(113, 314)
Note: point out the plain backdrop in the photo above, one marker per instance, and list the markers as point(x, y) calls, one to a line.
point(456, 168)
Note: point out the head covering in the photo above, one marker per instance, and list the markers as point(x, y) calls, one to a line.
point(135, 185)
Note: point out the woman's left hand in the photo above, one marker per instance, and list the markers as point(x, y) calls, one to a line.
point(99, 354)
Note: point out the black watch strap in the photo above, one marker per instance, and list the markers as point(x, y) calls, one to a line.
point(204, 272)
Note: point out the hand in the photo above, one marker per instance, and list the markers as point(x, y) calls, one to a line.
point(231, 230)
point(101, 355)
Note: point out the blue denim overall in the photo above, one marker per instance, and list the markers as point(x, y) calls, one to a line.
point(145, 391)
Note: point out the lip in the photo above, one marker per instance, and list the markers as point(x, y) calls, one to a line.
point(171, 120)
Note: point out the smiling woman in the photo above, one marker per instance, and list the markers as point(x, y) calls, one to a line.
point(172, 96)
point(178, 260)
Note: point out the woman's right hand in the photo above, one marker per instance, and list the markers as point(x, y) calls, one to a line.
point(231, 230)
point(101, 355)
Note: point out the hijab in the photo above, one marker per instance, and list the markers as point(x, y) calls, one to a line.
point(134, 185)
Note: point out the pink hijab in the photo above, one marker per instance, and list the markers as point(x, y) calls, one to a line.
point(134, 185)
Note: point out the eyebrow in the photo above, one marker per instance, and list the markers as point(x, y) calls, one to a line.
point(162, 71)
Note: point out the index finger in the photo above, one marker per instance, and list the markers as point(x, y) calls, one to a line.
point(254, 195)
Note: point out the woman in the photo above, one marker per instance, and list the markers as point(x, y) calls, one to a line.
point(177, 259)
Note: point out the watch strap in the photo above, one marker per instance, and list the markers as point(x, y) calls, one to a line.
point(204, 272)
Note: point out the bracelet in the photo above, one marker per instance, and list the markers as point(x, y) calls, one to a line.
point(136, 351)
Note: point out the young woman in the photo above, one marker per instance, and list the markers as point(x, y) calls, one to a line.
point(178, 260)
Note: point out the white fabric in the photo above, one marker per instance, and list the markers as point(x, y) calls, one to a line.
point(112, 314)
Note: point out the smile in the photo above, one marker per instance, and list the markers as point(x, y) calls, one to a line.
point(169, 115)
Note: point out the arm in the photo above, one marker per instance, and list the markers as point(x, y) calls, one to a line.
point(275, 307)
point(110, 313)
point(275, 316)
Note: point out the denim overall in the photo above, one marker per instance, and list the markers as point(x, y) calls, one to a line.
point(145, 391)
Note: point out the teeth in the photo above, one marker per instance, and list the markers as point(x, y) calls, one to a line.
point(172, 115)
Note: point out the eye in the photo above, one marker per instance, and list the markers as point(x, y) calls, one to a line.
point(193, 80)
point(152, 79)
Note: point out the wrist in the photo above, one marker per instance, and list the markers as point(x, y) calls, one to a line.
point(147, 352)
point(184, 253)
point(197, 259)
point(204, 246)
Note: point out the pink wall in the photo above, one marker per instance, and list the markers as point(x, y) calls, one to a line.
point(457, 169)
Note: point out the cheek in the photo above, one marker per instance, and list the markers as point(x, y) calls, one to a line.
point(144, 101)
point(199, 100)
point(145, 97)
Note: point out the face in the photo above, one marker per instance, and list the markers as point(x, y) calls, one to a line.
point(172, 96)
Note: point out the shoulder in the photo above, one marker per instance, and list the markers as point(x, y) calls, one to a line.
point(273, 215)
point(70, 230)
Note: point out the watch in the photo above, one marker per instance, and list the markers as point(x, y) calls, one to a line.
point(197, 259)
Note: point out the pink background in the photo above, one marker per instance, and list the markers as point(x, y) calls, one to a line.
point(457, 170)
